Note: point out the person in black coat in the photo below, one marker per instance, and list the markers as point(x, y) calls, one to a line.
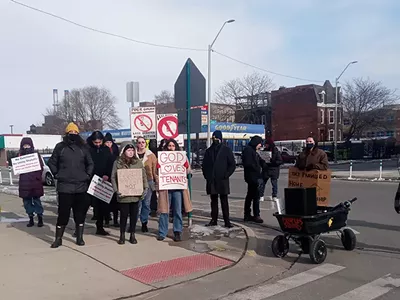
point(271, 168)
point(252, 165)
point(72, 167)
point(113, 207)
point(103, 164)
point(218, 165)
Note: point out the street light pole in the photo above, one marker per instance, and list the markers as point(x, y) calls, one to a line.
point(209, 83)
point(11, 129)
point(336, 109)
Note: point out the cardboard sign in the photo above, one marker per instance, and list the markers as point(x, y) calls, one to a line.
point(143, 122)
point(130, 182)
point(321, 180)
point(101, 189)
point(26, 164)
point(172, 173)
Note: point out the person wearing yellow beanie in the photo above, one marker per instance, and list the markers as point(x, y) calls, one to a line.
point(72, 128)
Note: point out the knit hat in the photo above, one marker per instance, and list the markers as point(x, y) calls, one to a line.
point(255, 141)
point(71, 127)
point(26, 141)
point(217, 134)
point(108, 137)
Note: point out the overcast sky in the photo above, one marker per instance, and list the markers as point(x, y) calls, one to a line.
point(311, 39)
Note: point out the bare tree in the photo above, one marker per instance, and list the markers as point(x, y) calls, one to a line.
point(89, 107)
point(250, 87)
point(364, 104)
point(164, 97)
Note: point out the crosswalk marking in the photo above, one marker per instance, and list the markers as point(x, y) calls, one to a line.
point(372, 290)
point(269, 290)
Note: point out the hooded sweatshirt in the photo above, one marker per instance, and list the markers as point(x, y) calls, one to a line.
point(251, 161)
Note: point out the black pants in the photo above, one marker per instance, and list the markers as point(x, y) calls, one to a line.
point(224, 207)
point(253, 196)
point(103, 212)
point(131, 209)
point(79, 204)
point(153, 202)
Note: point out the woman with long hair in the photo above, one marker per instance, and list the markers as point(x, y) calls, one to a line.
point(128, 205)
point(175, 198)
point(72, 167)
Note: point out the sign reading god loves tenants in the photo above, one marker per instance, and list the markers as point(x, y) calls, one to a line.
point(101, 189)
point(130, 182)
point(26, 164)
point(172, 172)
point(321, 180)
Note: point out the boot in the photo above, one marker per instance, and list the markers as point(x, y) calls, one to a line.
point(132, 239)
point(248, 218)
point(79, 235)
point(121, 237)
point(31, 222)
point(59, 234)
point(228, 225)
point(177, 237)
point(144, 227)
point(40, 221)
point(212, 223)
point(258, 220)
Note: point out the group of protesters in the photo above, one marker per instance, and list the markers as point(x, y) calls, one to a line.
point(75, 161)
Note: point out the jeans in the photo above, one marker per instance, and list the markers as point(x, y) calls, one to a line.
point(263, 183)
point(144, 205)
point(33, 205)
point(252, 196)
point(175, 197)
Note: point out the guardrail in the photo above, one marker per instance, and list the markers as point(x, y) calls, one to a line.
point(9, 169)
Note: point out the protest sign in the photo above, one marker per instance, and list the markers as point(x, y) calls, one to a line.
point(101, 189)
point(130, 182)
point(321, 180)
point(172, 173)
point(265, 155)
point(26, 164)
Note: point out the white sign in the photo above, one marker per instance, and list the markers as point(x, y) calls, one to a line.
point(101, 189)
point(143, 122)
point(167, 128)
point(26, 164)
point(172, 173)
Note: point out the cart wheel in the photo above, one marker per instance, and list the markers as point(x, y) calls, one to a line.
point(318, 251)
point(349, 239)
point(280, 246)
point(305, 245)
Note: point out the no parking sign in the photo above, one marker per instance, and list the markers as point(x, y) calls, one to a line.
point(167, 128)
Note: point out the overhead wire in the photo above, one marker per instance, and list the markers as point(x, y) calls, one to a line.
point(158, 45)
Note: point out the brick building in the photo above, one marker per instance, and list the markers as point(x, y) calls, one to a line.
point(300, 111)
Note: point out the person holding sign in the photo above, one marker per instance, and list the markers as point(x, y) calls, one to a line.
point(72, 167)
point(123, 185)
point(312, 158)
point(31, 186)
point(170, 169)
point(103, 163)
point(218, 165)
point(149, 161)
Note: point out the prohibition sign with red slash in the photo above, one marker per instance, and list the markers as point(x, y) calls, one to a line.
point(143, 123)
point(165, 129)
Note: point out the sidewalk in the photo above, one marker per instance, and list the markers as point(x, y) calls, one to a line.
point(103, 269)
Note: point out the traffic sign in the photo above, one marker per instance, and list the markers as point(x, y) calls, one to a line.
point(143, 122)
point(167, 128)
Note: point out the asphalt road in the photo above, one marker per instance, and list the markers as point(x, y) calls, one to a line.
point(371, 271)
point(387, 165)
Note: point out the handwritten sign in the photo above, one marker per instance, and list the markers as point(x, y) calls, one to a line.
point(101, 189)
point(172, 173)
point(26, 164)
point(130, 182)
point(321, 180)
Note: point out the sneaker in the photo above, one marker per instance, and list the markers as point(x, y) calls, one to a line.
point(262, 199)
point(177, 237)
point(160, 238)
point(102, 232)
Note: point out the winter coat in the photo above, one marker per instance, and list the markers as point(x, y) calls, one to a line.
point(120, 164)
point(72, 166)
point(150, 164)
point(316, 159)
point(271, 168)
point(31, 184)
point(252, 164)
point(218, 165)
point(102, 159)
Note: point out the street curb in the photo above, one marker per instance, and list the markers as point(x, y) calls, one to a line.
point(364, 179)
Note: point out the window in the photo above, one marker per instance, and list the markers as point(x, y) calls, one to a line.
point(339, 135)
point(339, 117)
point(389, 133)
point(322, 116)
point(331, 116)
point(331, 135)
point(346, 122)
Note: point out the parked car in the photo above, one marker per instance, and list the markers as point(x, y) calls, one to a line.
point(238, 158)
point(47, 176)
point(288, 158)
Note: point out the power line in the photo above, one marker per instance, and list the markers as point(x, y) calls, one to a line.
point(264, 70)
point(105, 32)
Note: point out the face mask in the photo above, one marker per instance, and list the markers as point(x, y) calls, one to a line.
point(73, 137)
point(310, 146)
point(216, 141)
point(27, 151)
